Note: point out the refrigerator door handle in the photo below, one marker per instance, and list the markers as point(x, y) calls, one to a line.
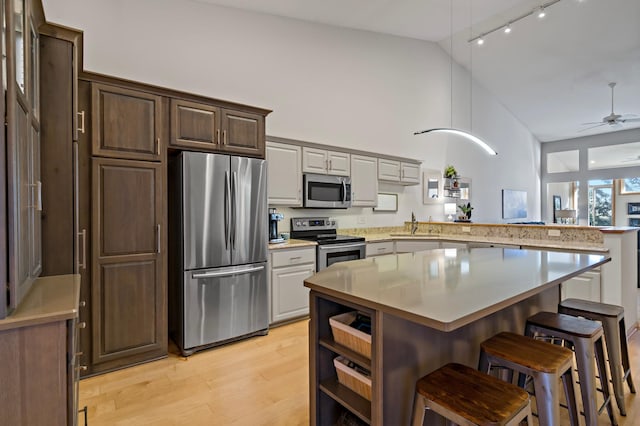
point(227, 273)
point(227, 207)
point(234, 211)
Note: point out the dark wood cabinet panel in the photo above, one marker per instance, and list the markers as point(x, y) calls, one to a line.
point(128, 306)
point(32, 358)
point(126, 123)
point(57, 169)
point(194, 125)
point(128, 289)
point(243, 133)
point(128, 209)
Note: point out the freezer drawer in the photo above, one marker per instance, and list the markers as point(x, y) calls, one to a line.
point(224, 303)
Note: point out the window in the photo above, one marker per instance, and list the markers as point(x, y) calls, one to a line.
point(563, 161)
point(630, 186)
point(601, 202)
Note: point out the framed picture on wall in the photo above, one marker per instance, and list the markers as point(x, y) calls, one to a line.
point(514, 204)
point(633, 208)
point(634, 221)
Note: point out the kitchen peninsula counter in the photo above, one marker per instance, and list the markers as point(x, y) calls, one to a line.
point(427, 308)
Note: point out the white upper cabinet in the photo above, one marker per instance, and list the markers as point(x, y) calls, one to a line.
point(364, 181)
point(398, 172)
point(388, 170)
point(325, 162)
point(284, 175)
point(409, 173)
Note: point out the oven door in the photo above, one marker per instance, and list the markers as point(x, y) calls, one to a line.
point(329, 254)
point(330, 192)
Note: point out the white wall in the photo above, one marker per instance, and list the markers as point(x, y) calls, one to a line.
point(325, 84)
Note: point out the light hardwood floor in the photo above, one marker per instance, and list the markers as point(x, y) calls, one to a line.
point(260, 381)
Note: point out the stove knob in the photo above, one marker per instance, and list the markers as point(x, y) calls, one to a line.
point(298, 223)
point(333, 222)
point(304, 223)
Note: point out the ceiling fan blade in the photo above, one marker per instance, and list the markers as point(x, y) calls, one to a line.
point(592, 122)
point(628, 116)
point(630, 120)
point(592, 127)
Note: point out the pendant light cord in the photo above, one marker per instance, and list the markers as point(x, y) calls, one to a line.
point(451, 61)
point(470, 68)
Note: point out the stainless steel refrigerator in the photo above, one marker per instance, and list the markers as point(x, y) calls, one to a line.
point(218, 249)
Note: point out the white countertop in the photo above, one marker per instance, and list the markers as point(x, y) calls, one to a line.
point(448, 288)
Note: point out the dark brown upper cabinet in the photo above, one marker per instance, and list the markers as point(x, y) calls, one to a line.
point(126, 123)
point(242, 132)
point(205, 127)
point(194, 125)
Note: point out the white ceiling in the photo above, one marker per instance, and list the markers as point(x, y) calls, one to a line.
point(552, 74)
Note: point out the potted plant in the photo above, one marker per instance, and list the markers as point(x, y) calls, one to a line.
point(450, 172)
point(466, 209)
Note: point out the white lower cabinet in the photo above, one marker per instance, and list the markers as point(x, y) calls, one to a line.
point(380, 248)
point(289, 269)
point(407, 246)
point(585, 286)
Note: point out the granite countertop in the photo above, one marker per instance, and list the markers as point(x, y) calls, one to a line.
point(446, 293)
point(50, 299)
point(588, 239)
point(292, 243)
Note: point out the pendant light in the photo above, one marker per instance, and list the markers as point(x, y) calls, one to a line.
point(451, 130)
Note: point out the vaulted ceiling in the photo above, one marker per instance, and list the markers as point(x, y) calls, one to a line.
point(551, 73)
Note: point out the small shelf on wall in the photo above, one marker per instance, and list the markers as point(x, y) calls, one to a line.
point(439, 189)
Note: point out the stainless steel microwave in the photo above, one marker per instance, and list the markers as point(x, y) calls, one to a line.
point(328, 192)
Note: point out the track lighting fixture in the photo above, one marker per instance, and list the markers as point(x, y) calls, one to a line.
point(540, 12)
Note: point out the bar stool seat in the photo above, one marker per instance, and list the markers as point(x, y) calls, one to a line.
point(585, 338)
point(468, 397)
point(544, 362)
point(615, 336)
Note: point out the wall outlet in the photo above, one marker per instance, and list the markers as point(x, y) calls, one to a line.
point(362, 220)
point(554, 232)
point(466, 229)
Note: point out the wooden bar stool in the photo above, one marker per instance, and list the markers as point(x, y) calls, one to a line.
point(585, 338)
point(544, 362)
point(615, 336)
point(468, 397)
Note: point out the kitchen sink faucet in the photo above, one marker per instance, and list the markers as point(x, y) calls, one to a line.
point(414, 223)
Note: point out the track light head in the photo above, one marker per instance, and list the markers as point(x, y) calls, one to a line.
point(541, 12)
point(507, 29)
point(480, 41)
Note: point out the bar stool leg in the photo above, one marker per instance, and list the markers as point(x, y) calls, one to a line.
point(613, 338)
point(604, 380)
point(418, 410)
point(585, 354)
point(625, 356)
point(567, 381)
point(546, 387)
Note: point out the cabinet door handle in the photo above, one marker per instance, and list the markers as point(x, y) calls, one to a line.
point(81, 127)
point(218, 136)
point(330, 165)
point(158, 238)
point(224, 137)
point(39, 196)
point(158, 144)
point(82, 368)
point(82, 324)
point(83, 303)
point(83, 235)
point(291, 259)
point(381, 249)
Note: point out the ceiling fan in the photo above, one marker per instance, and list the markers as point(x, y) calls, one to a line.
point(613, 119)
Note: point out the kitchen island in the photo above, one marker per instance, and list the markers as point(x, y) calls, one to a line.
point(426, 308)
